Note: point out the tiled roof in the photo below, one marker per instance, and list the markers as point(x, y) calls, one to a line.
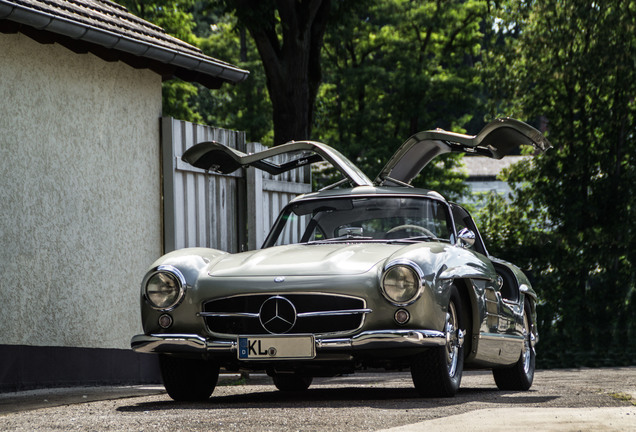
point(110, 31)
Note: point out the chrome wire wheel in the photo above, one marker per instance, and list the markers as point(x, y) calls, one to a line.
point(520, 375)
point(526, 352)
point(452, 341)
point(437, 371)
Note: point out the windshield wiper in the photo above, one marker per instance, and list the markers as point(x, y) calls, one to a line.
point(415, 239)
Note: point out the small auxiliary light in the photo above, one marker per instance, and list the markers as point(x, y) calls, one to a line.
point(402, 316)
point(165, 321)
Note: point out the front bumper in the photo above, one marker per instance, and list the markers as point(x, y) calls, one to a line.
point(369, 340)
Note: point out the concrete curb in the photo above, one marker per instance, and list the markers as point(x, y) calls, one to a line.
point(621, 419)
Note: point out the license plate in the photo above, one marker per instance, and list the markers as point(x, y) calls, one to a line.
point(276, 347)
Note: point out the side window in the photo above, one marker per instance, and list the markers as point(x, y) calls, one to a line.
point(463, 220)
point(459, 219)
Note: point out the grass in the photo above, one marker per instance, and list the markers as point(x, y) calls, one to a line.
point(624, 397)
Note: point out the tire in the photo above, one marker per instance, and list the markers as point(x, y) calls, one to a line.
point(188, 379)
point(520, 375)
point(437, 372)
point(292, 382)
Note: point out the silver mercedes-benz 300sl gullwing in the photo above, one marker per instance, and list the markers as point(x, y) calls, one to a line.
point(376, 275)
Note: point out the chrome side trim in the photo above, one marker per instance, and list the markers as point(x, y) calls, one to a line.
point(500, 336)
point(335, 313)
point(228, 314)
point(300, 315)
point(495, 349)
point(375, 339)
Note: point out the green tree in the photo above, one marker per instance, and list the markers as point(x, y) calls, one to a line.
point(289, 38)
point(208, 26)
point(571, 219)
point(174, 17)
point(246, 106)
point(394, 68)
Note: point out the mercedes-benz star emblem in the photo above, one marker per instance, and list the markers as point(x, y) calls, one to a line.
point(277, 315)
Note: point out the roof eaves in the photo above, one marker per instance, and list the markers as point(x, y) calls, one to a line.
point(206, 70)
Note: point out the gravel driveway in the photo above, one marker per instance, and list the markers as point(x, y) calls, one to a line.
point(560, 400)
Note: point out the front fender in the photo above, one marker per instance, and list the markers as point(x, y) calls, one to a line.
point(191, 263)
point(522, 280)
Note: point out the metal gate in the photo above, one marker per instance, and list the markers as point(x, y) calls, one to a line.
point(230, 212)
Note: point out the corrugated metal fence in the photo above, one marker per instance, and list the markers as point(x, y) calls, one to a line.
point(230, 212)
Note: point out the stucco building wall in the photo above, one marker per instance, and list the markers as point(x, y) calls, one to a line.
point(80, 216)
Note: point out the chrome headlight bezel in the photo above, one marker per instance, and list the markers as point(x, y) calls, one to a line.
point(412, 293)
point(178, 288)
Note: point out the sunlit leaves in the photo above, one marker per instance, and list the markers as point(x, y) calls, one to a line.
point(572, 63)
point(394, 68)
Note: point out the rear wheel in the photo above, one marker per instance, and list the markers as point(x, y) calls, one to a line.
point(188, 379)
point(520, 375)
point(438, 371)
point(292, 382)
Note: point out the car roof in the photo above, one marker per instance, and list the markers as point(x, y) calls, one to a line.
point(368, 191)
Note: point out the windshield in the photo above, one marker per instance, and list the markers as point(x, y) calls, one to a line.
point(387, 218)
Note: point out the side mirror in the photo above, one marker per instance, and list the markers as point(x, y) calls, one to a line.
point(466, 238)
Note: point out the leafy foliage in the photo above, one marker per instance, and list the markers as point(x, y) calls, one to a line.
point(571, 218)
point(208, 26)
point(288, 36)
point(247, 106)
point(173, 16)
point(394, 68)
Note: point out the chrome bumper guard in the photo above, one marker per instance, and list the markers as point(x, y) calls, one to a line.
point(378, 339)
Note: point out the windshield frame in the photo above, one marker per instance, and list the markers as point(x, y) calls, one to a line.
point(279, 224)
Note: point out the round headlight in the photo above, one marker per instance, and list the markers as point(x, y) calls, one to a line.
point(401, 284)
point(164, 287)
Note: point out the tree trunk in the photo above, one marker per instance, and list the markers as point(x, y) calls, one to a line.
point(291, 63)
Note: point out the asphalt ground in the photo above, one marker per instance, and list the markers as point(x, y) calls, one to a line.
point(560, 400)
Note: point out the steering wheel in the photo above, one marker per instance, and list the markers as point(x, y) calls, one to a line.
point(408, 227)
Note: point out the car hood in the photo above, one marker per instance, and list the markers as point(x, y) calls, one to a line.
point(304, 260)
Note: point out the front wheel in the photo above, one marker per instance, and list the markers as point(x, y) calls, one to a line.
point(520, 375)
point(437, 372)
point(188, 379)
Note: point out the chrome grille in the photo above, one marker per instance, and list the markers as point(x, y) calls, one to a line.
point(315, 313)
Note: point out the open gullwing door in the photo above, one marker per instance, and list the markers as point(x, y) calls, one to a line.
point(495, 140)
point(216, 157)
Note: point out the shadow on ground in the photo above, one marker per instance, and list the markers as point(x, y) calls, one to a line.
point(344, 397)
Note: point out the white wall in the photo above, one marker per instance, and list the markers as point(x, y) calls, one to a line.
point(80, 216)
